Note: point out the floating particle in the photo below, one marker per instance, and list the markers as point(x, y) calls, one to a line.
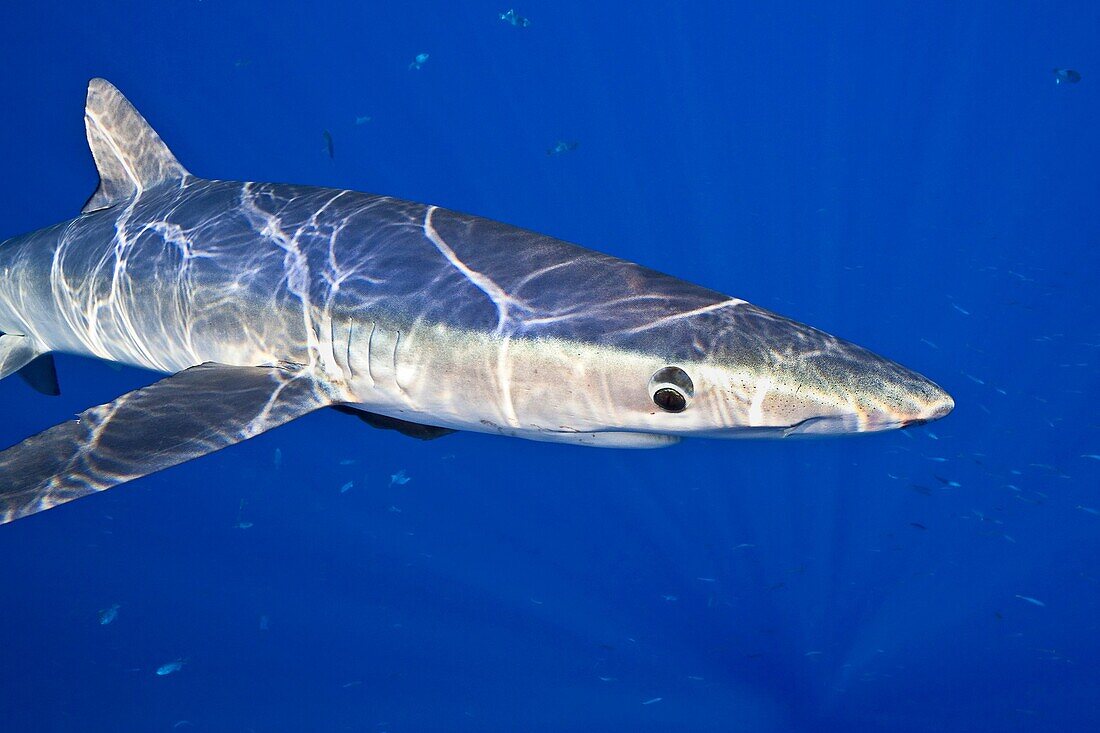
point(1066, 76)
point(107, 615)
point(515, 19)
point(1032, 601)
point(400, 478)
point(170, 667)
point(561, 147)
point(420, 60)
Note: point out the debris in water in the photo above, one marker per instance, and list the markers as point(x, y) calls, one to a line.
point(1066, 76)
point(107, 615)
point(515, 19)
point(562, 147)
point(171, 667)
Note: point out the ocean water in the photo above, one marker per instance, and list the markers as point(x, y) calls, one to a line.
point(907, 176)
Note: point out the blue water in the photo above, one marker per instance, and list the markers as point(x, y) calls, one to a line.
point(909, 178)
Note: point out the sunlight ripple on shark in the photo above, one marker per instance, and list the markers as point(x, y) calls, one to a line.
point(266, 302)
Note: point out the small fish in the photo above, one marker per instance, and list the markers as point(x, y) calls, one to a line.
point(695, 677)
point(400, 478)
point(1066, 76)
point(278, 459)
point(607, 679)
point(929, 343)
point(918, 525)
point(1093, 456)
point(330, 147)
point(707, 580)
point(363, 120)
point(653, 700)
point(813, 654)
point(1088, 509)
point(960, 309)
point(513, 18)
point(347, 487)
point(264, 623)
point(420, 60)
point(107, 615)
point(170, 667)
point(353, 683)
point(670, 598)
point(1032, 601)
point(562, 147)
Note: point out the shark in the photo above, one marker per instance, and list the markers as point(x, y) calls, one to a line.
point(265, 302)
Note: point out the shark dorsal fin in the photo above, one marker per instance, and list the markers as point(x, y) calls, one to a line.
point(128, 153)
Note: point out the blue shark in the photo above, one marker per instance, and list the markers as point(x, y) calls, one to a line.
point(265, 302)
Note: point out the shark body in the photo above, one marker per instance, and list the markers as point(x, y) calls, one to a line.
point(268, 301)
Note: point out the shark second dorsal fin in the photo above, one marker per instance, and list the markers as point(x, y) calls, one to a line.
point(128, 153)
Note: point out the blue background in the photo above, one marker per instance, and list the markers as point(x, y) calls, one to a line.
point(907, 176)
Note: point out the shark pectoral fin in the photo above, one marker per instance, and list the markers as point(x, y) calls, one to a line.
point(128, 153)
point(41, 375)
point(21, 354)
point(197, 411)
point(385, 422)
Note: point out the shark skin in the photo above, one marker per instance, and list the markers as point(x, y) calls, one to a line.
point(399, 309)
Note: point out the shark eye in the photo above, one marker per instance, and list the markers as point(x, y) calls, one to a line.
point(669, 400)
point(671, 388)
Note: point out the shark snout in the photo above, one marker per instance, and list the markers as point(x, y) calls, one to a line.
point(904, 399)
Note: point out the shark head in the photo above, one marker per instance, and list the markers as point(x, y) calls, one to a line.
point(736, 370)
point(609, 353)
point(555, 342)
point(726, 370)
